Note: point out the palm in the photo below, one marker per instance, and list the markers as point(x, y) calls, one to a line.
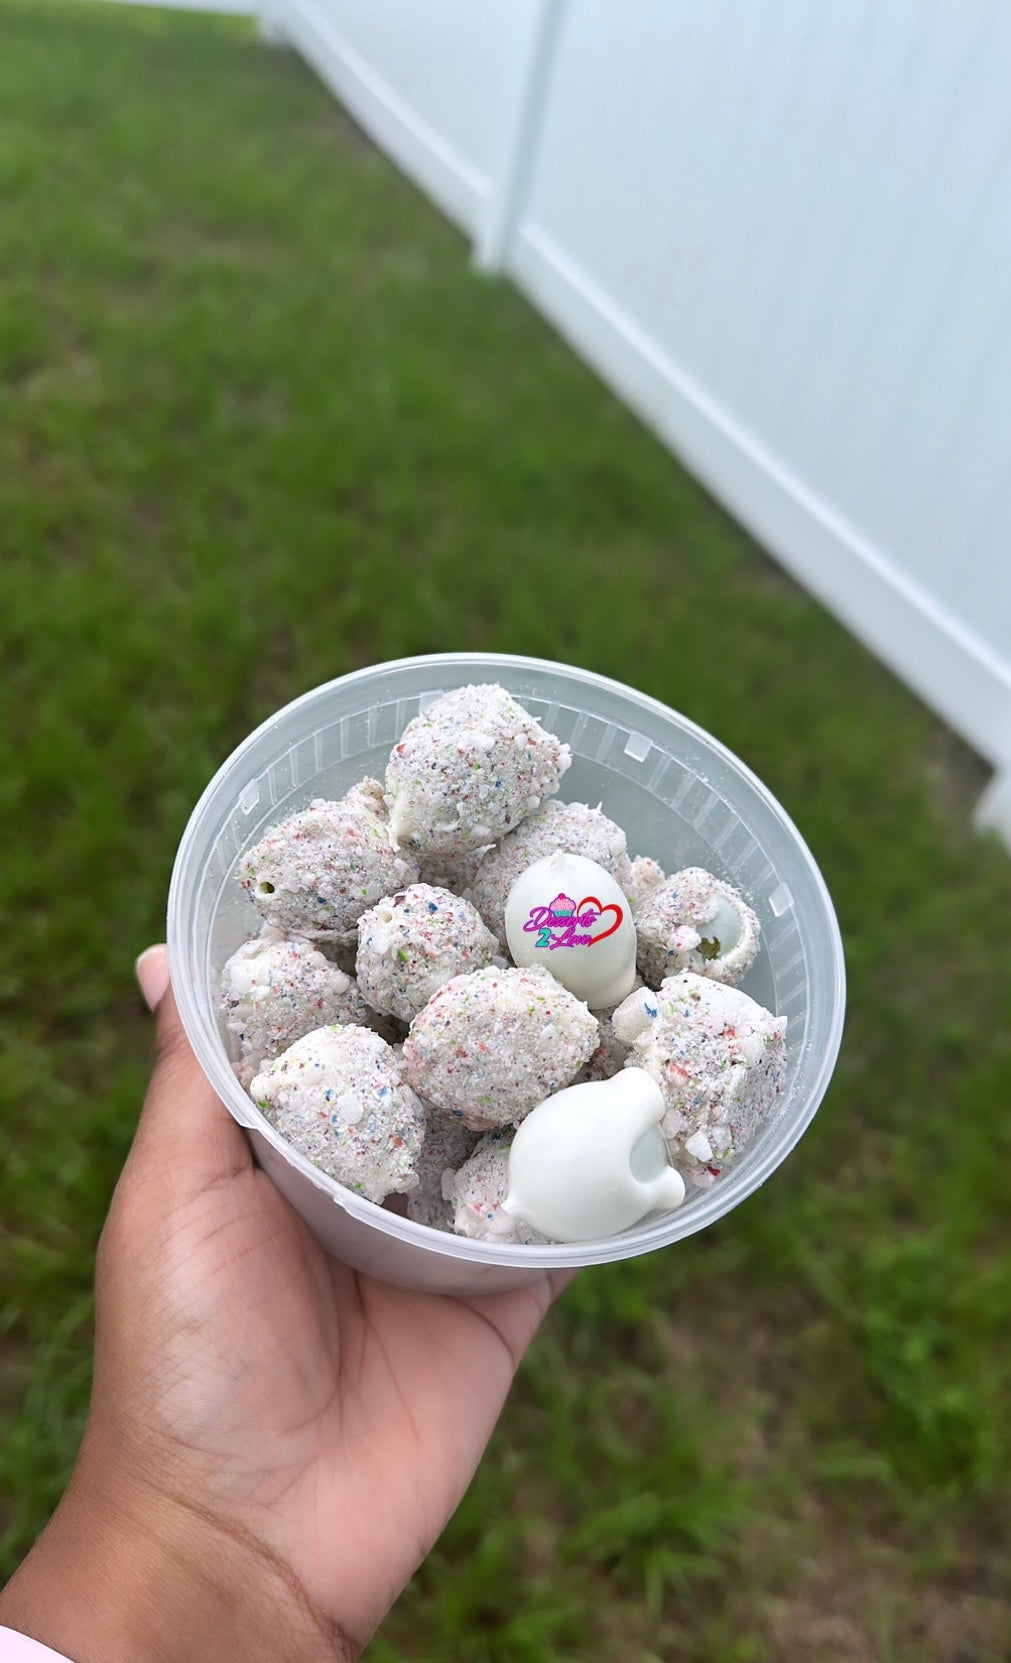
point(278, 1385)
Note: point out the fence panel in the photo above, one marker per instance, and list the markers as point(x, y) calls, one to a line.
point(782, 231)
point(435, 84)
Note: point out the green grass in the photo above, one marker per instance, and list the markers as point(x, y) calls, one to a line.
point(261, 424)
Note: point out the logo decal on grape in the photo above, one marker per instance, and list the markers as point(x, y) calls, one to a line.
point(568, 923)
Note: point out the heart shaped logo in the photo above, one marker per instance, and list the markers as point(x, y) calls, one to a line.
point(591, 901)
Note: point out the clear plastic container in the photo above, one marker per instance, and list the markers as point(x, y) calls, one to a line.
point(681, 797)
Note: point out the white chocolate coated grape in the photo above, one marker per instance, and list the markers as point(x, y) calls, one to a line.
point(591, 1160)
point(567, 913)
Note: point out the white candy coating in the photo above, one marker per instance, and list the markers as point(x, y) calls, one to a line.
point(694, 921)
point(573, 827)
point(316, 872)
point(468, 769)
point(568, 915)
point(414, 941)
point(476, 1192)
point(338, 1097)
point(590, 1161)
point(719, 1059)
point(634, 1015)
point(490, 1045)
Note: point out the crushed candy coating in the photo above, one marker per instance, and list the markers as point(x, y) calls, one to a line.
point(718, 1057)
point(315, 873)
point(468, 769)
point(634, 1015)
point(645, 875)
point(476, 1192)
point(491, 1045)
point(273, 991)
point(412, 942)
point(339, 1098)
point(693, 921)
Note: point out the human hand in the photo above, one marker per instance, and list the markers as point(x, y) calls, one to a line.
point(274, 1441)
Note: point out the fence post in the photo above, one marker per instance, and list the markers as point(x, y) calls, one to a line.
point(523, 133)
point(270, 27)
point(993, 811)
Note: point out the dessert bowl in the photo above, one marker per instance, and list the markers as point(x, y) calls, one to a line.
point(681, 797)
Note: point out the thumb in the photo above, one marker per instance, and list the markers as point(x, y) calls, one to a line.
point(152, 973)
point(183, 1124)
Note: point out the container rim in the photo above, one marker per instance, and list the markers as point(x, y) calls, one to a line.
point(733, 1188)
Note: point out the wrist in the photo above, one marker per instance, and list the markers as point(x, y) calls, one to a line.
point(123, 1575)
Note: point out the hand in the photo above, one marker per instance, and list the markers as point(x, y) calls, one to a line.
point(274, 1441)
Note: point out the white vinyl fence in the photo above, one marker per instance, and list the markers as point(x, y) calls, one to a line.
point(781, 230)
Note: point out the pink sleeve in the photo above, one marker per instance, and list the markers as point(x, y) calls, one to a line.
point(17, 1648)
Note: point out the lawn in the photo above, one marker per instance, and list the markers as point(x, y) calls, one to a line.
point(260, 424)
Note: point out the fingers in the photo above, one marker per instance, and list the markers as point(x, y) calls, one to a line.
point(517, 1314)
point(183, 1124)
point(558, 1281)
point(152, 973)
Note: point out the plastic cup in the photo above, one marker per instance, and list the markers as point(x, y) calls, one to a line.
point(680, 795)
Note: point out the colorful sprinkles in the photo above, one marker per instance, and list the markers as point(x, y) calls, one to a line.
point(491, 1045)
point(314, 874)
point(273, 991)
point(413, 942)
point(719, 1059)
point(468, 769)
point(475, 1194)
point(338, 1097)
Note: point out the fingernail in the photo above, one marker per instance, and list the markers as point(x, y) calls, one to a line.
point(152, 972)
